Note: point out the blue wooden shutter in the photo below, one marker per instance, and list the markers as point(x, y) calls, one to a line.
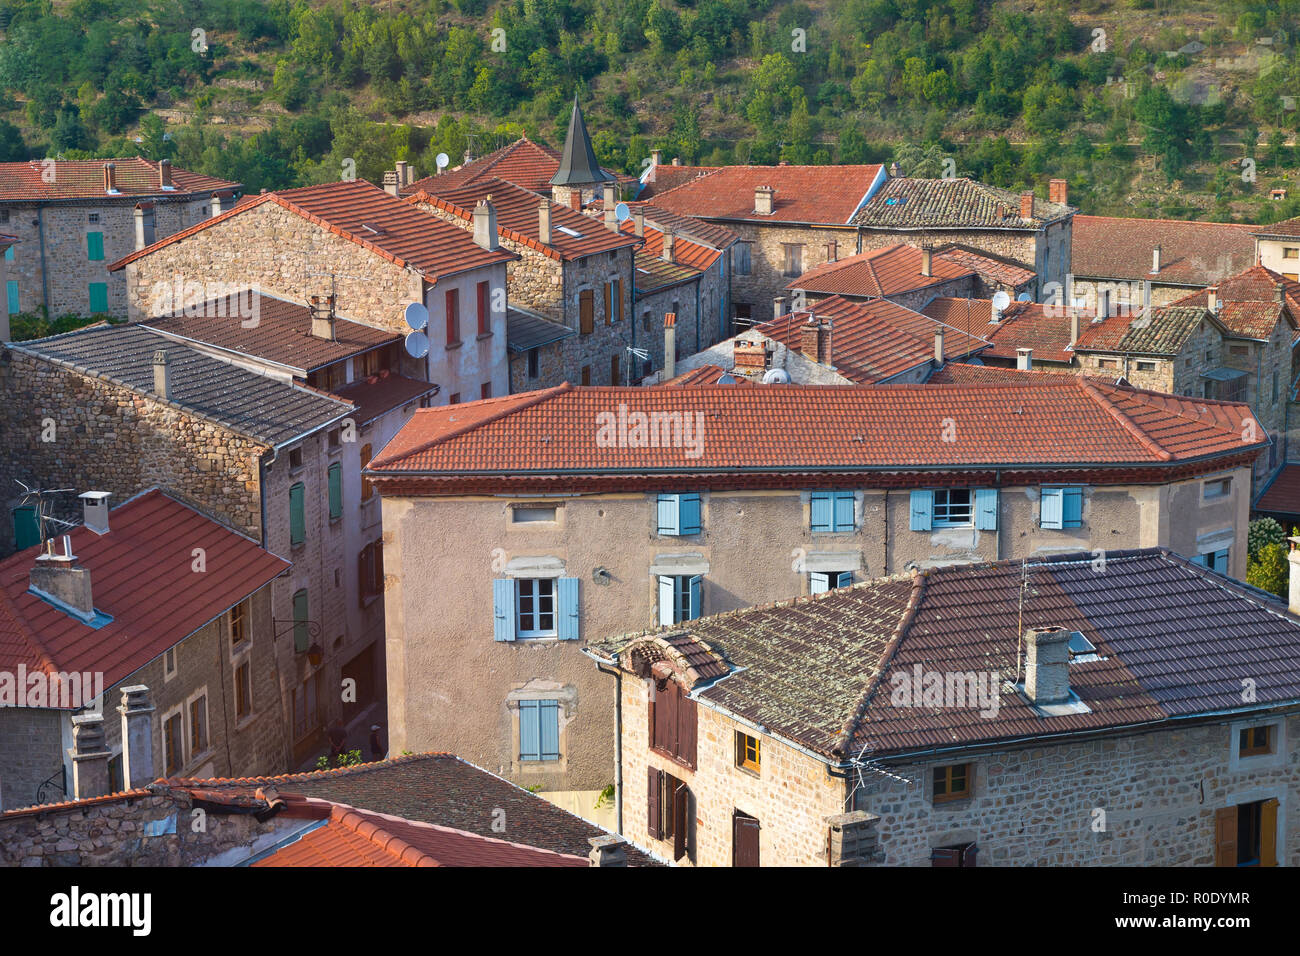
point(666, 594)
point(694, 610)
point(818, 581)
point(548, 713)
point(336, 490)
point(1051, 507)
point(845, 579)
point(688, 514)
point(986, 509)
point(94, 246)
point(1073, 513)
point(99, 297)
point(669, 514)
point(503, 609)
point(823, 514)
point(922, 510)
point(567, 601)
point(297, 518)
point(844, 511)
point(530, 730)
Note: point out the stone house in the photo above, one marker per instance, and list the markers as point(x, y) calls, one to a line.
point(124, 408)
point(192, 654)
point(1071, 711)
point(568, 514)
point(908, 275)
point(74, 217)
point(374, 253)
point(1022, 335)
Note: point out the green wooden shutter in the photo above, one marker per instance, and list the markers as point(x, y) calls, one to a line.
point(27, 529)
point(300, 632)
point(11, 294)
point(503, 609)
point(98, 297)
point(336, 490)
point(94, 246)
point(297, 516)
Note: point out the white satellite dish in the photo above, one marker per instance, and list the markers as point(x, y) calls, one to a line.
point(621, 212)
point(1001, 300)
point(776, 376)
point(1025, 297)
point(442, 160)
point(417, 316)
point(417, 344)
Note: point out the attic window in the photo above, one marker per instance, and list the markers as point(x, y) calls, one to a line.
point(92, 217)
point(1082, 650)
point(895, 201)
point(569, 232)
point(376, 230)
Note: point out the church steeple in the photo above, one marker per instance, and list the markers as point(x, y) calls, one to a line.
point(578, 166)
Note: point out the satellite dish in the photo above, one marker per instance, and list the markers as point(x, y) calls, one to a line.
point(622, 213)
point(1025, 297)
point(727, 379)
point(417, 344)
point(442, 160)
point(776, 376)
point(1001, 300)
point(417, 316)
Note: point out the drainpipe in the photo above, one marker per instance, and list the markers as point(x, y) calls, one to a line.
point(698, 319)
point(45, 273)
point(618, 745)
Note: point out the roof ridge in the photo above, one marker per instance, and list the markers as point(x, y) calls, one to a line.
point(1093, 390)
point(372, 832)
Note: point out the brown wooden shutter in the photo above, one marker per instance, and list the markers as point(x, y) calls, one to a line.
point(1225, 836)
point(1268, 833)
point(654, 820)
point(687, 723)
point(744, 840)
point(618, 288)
point(586, 310)
point(681, 799)
point(652, 731)
point(945, 856)
point(969, 854)
point(609, 303)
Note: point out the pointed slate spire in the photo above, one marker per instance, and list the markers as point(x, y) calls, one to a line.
point(578, 165)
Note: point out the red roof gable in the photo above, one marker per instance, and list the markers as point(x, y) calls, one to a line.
point(1251, 302)
point(523, 162)
point(876, 272)
point(813, 194)
point(141, 575)
point(84, 179)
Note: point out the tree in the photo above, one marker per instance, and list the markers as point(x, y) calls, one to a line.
point(1262, 532)
point(1271, 571)
point(12, 147)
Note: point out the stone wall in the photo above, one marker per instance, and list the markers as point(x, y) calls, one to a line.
point(31, 746)
point(766, 278)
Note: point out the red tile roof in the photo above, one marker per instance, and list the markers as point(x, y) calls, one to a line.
point(872, 340)
point(383, 392)
point(1282, 495)
point(517, 218)
point(963, 373)
point(705, 375)
point(1286, 229)
point(879, 272)
point(991, 268)
point(811, 194)
point(661, 177)
point(708, 234)
point(84, 179)
point(1028, 325)
point(1251, 302)
point(358, 211)
point(523, 162)
point(1162, 331)
point(1191, 253)
point(141, 575)
point(593, 431)
point(693, 255)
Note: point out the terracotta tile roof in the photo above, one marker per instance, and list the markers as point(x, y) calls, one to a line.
point(383, 392)
point(1162, 331)
point(872, 340)
point(1251, 302)
point(1028, 325)
point(567, 429)
point(696, 230)
point(964, 373)
point(1174, 640)
point(905, 203)
point(811, 194)
point(1282, 494)
point(991, 268)
point(362, 213)
point(1191, 253)
point(141, 577)
point(879, 272)
point(661, 177)
point(517, 218)
point(705, 375)
point(692, 255)
point(282, 333)
point(1286, 229)
point(84, 179)
point(523, 162)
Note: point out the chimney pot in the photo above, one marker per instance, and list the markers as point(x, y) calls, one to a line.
point(161, 378)
point(638, 222)
point(165, 174)
point(1047, 662)
point(95, 510)
point(1024, 359)
point(764, 200)
point(1155, 260)
point(485, 225)
point(544, 223)
point(322, 317)
point(1026, 205)
point(137, 736)
point(670, 345)
point(89, 757)
point(927, 261)
point(670, 247)
point(110, 178)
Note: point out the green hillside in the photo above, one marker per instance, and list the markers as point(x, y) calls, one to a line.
point(1108, 95)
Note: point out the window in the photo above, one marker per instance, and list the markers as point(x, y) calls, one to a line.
point(1146, 366)
point(453, 400)
point(484, 312)
point(169, 664)
point(1218, 488)
point(679, 514)
point(744, 839)
point(297, 515)
point(1227, 390)
point(749, 754)
point(1255, 741)
point(792, 259)
point(820, 581)
point(301, 631)
point(679, 598)
point(198, 725)
point(831, 511)
point(953, 507)
point(532, 363)
point(238, 626)
point(586, 375)
point(526, 514)
point(1246, 834)
point(1060, 508)
point(960, 854)
point(673, 722)
point(27, 530)
point(334, 439)
point(95, 246)
point(539, 730)
point(98, 292)
point(295, 459)
point(1214, 560)
point(370, 571)
point(524, 608)
point(1290, 252)
point(668, 812)
point(173, 744)
point(1106, 363)
point(452, 305)
point(334, 476)
point(366, 455)
point(586, 312)
point(243, 690)
point(952, 782)
point(485, 390)
point(740, 258)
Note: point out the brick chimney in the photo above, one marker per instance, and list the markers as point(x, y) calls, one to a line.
point(608, 851)
point(95, 510)
point(810, 339)
point(59, 578)
point(670, 247)
point(544, 223)
point(764, 200)
point(1058, 191)
point(575, 200)
point(137, 736)
point(824, 330)
point(1047, 663)
point(165, 175)
point(1024, 359)
point(749, 357)
point(832, 251)
point(938, 345)
point(927, 261)
point(89, 757)
point(110, 178)
point(485, 224)
point(1155, 260)
point(670, 345)
point(161, 378)
point(322, 317)
point(638, 223)
point(1027, 205)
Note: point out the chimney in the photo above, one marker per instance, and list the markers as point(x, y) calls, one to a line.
point(544, 223)
point(824, 329)
point(485, 224)
point(893, 171)
point(140, 242)
point(1074, 326)
point(657, 157)
point(1047, 662)
point(670, 247)
point(89, 757)
point(1024, 359)
point(927, 261)
point(1058, 191)
point(95, 510)
point(58, 577)
point(833, 251)
point(575, 200)
point(677, 160)
point(609, 195)
point(938, 345)
point(1212, 299)
point(1155, 260)
point(164, 174)
point(764, 200)
point(1026, 205)
point(137, 737)
point(749, 357)
point(322, 317)
point(1294, 559)
point(1103, 303)
point(810, 339)
point(390, 183)
point(608, 851)
point(215, 205)
point(670, 345)
point(638, 222)
point(400, 167)
point(995, 314)
point(110, 178)
point(161, 381)
point(778, 306)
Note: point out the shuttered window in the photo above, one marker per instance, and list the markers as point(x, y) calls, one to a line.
point(95, 246)
point(297, 515)
point(26, 527)
point(831, 511)
point(609, 303)
point(679, 514)
point(539, 730)
point(679, 598)
point(922, 510)
point(668, 811)
point(335, 475)
point(1246, 834)
point(820, 581)
point(98, 297)
point(744, 839)
point(535, 608)
point(673, 723)
point(301, 632)
point(1060, 508)
point(586, 312)
point(452, 307)
point(484, 314)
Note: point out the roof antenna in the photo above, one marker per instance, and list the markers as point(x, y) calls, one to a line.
point(43, 507)
point(1020, 615)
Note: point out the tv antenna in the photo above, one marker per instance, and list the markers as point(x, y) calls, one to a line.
point(642, 354)
point(333, 276)
point(43, 507)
